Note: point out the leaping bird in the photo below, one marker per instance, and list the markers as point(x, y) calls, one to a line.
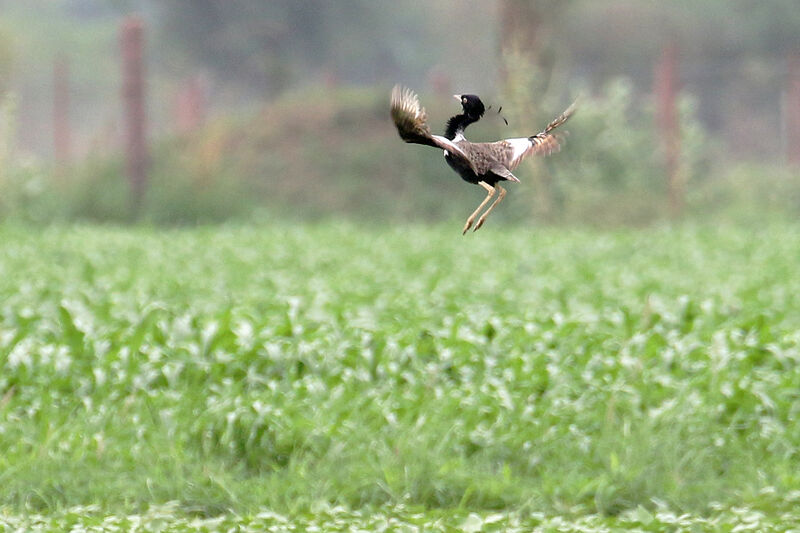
point(484, 164)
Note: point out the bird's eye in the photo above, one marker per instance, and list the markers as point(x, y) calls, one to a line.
point(463, 100)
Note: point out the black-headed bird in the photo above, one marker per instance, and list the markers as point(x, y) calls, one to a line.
point(484, 164)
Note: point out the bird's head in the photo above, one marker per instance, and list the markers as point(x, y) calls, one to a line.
point(471, 105)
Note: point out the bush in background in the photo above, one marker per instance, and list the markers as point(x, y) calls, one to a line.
point(26, 193)
point(324, 153)
point(611, 171)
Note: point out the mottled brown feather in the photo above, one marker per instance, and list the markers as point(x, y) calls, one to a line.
point(498, 158)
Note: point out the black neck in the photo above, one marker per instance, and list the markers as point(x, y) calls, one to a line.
point(457, 124)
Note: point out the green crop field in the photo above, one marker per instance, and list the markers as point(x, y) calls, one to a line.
point(342, 377)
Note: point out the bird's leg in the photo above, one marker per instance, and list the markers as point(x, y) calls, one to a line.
point(490, 190)
point(497, 201)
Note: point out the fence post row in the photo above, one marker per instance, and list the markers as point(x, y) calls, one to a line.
point(61, 128)
point(792, 110)
point(135, 144)
point(668, 124)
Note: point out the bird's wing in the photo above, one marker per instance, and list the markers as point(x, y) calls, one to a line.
point(511, 152)
point(446, 144)
point(503, 172)
point(410, 119)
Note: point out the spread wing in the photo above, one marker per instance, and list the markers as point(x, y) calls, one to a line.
point(503, 172)
point(410, 119)
point(511, 152)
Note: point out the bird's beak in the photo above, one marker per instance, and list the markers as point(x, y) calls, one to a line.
point(457, 97)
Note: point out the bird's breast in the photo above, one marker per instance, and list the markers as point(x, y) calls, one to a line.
point(461, 167)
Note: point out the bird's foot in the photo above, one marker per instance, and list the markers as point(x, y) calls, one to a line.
point(479, 224)
point(467, 226)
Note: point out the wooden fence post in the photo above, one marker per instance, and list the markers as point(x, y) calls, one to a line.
point(135, 143)
point(61, 126)
point(520, 22)
point(190, 104)
point(523, 73)
point(792, 110)
point(667, 121)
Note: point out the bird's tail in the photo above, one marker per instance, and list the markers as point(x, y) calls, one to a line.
point(562, 118)
point(546, 143)
point(409, 117)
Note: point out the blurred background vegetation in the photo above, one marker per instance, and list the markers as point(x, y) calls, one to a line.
point(265, 110)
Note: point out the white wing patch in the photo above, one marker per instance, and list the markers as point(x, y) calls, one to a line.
point(520, 145)
point(444, 141)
